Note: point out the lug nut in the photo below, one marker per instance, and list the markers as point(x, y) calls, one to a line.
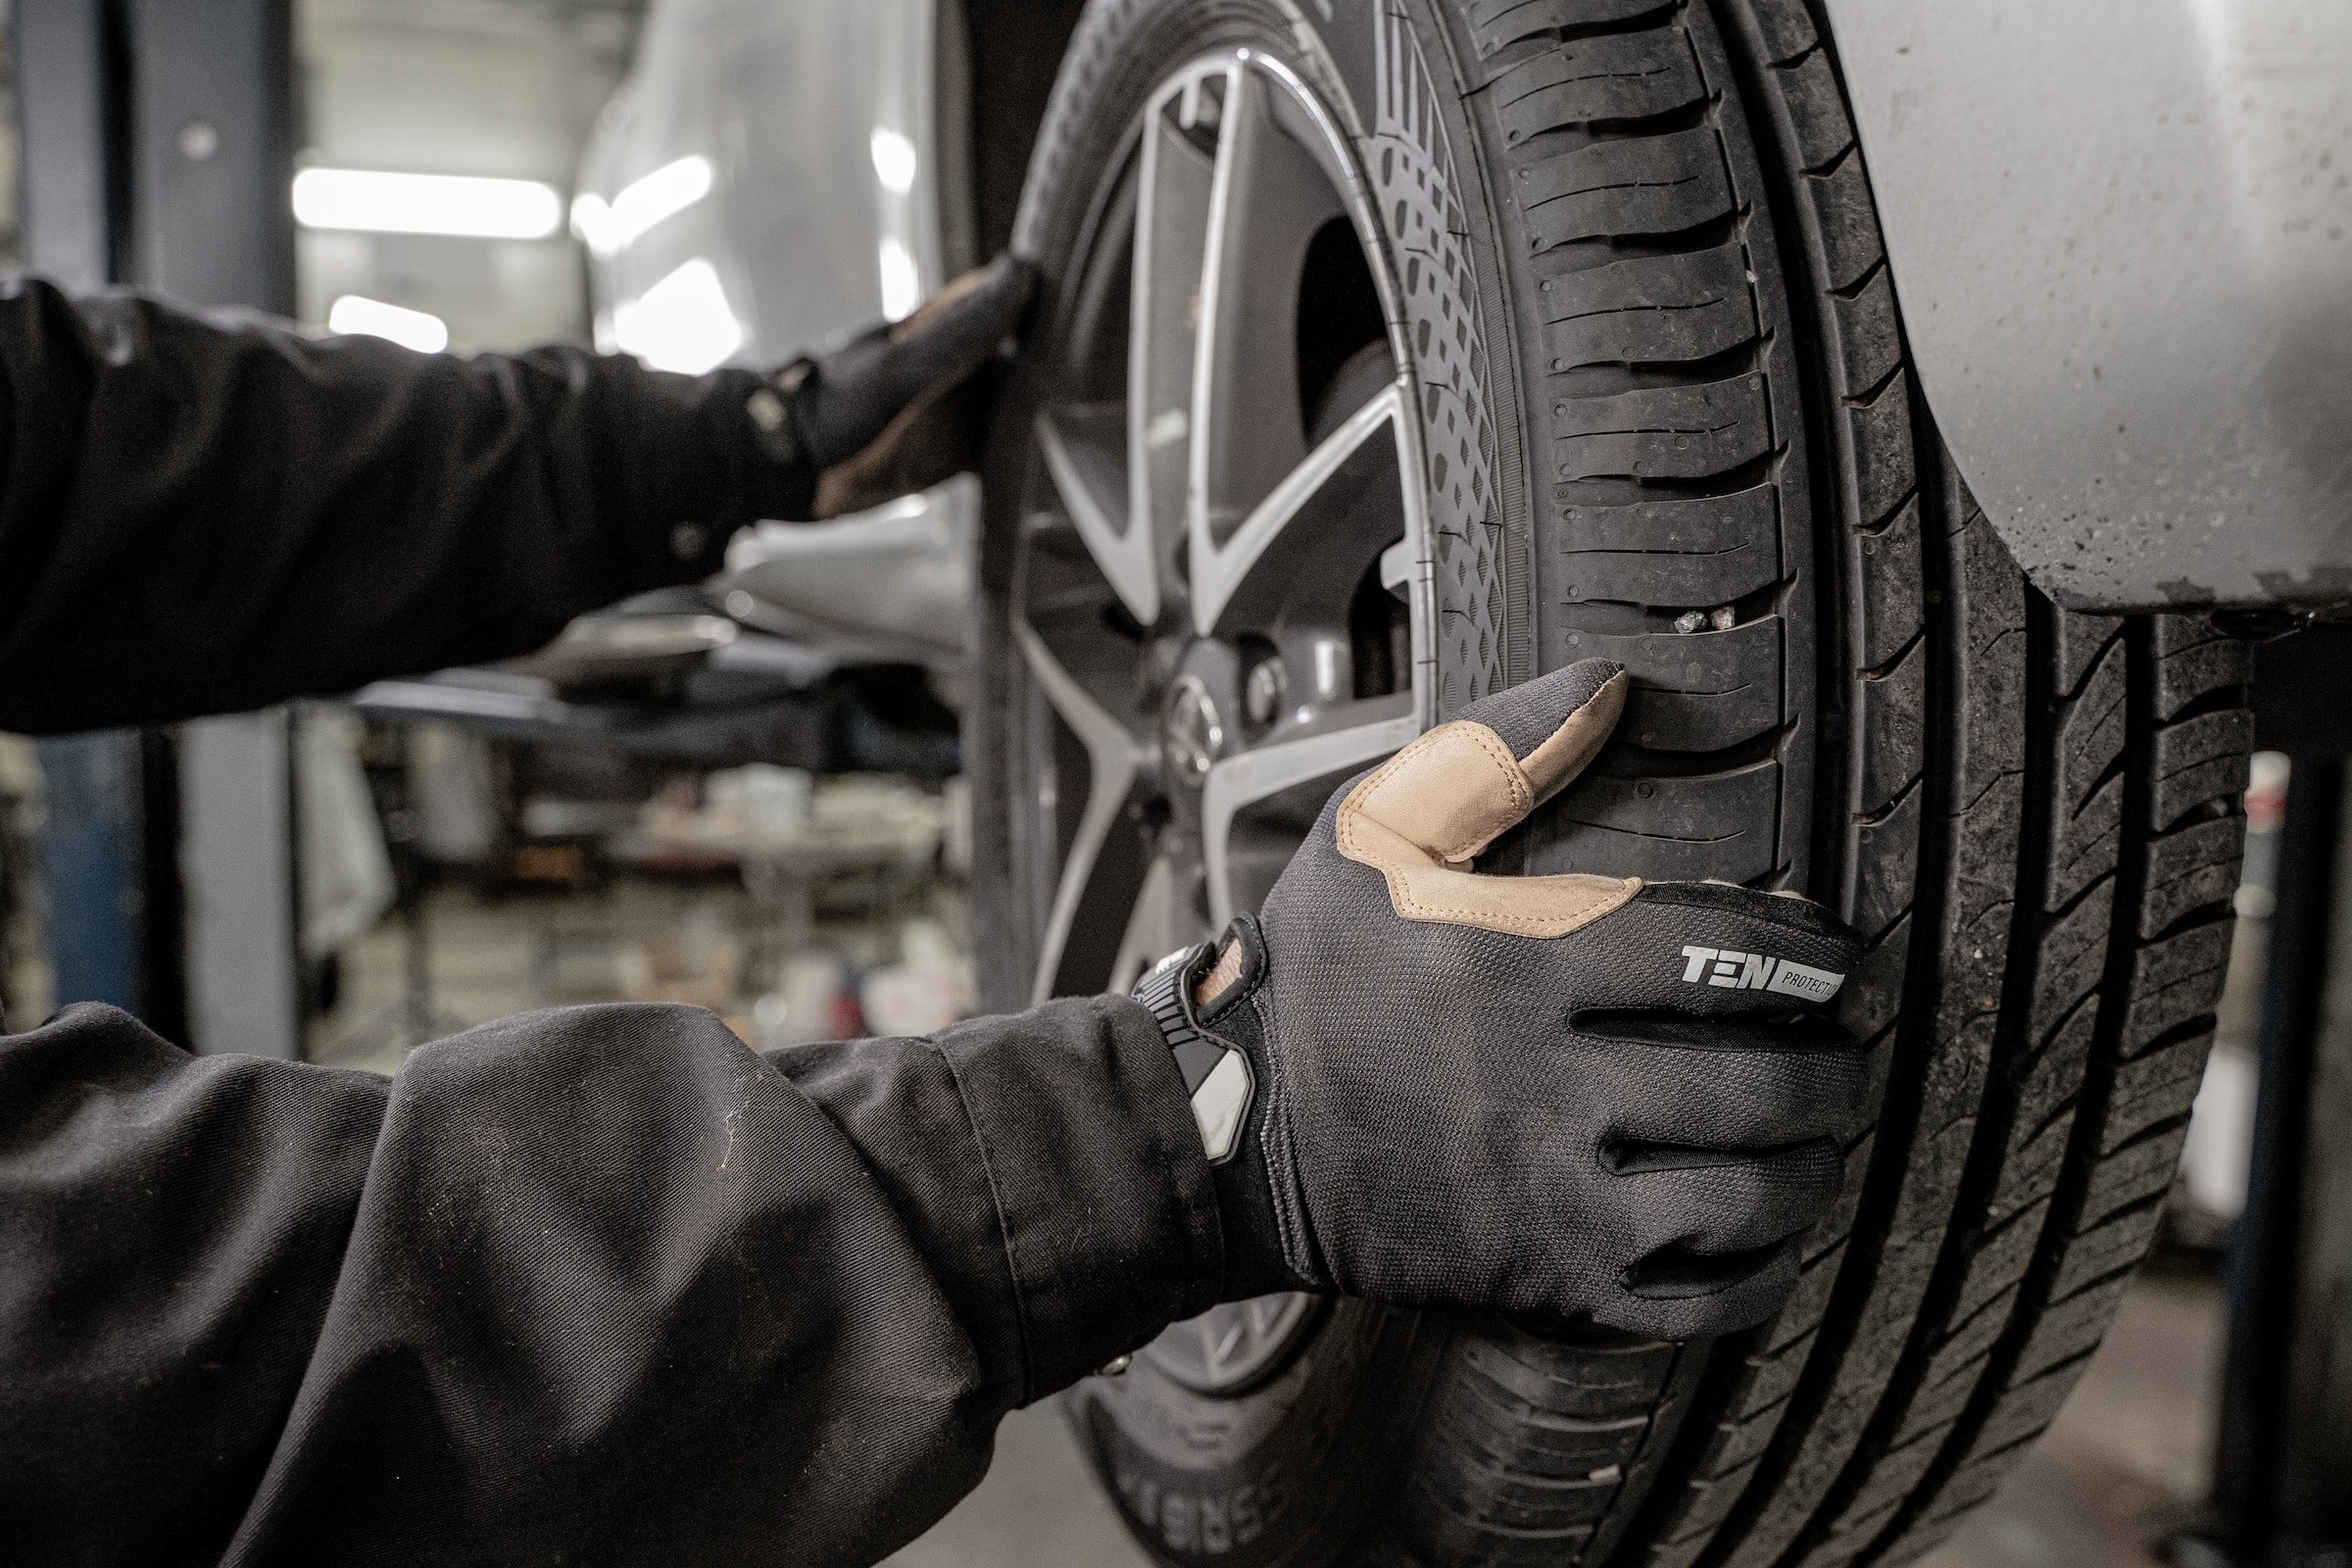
point(1261, 694)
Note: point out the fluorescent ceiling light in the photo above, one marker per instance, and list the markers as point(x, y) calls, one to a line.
point(427, 204)
point(607, 228)
point(894, 161)
point(681, 324)
point(357, 316)
point(901, 288)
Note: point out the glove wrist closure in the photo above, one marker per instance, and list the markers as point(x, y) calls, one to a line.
point(1220, 1051)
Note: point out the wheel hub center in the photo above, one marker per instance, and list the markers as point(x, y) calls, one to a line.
point(1195, 730)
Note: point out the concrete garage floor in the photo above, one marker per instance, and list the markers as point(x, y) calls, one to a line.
point(2125, 1459)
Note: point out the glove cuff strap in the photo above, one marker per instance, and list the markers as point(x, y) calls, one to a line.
point(1217, 1077)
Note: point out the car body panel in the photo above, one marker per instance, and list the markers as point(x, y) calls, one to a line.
point(2121, 231)
point(788, 104)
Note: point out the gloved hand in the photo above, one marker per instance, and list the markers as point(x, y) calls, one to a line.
point(1571, 1094)
point(893, 411)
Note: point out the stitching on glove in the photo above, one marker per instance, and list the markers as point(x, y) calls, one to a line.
point(1421, 889)
point(1564, 754)
point(1436, 783)
point(1566, 903)
point(1280, 1156)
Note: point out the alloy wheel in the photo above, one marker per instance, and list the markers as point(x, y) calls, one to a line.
point(1222, 589)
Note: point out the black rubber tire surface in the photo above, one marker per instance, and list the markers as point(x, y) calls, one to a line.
point(1663, 362)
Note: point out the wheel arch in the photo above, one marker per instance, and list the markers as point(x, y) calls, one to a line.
point(2117, 241)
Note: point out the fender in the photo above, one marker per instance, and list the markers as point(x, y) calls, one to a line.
point(2121, 231)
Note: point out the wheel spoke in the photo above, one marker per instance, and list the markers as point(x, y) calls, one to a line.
point(1218, 571)
point(1175, 178)
point(1123, 550)
point(1218, 468)
point(1111, 766)
point(1251, 776)
point(1156, 927)
point(1270, 199)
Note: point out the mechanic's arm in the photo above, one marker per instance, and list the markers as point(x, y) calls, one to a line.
point(208, 513)
point(598, 1285)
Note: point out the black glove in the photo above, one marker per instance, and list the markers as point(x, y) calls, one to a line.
point(1564, 1094)
point(898, 409)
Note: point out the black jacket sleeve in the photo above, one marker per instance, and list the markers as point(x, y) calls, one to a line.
point(594, 1285)
point(205, 514)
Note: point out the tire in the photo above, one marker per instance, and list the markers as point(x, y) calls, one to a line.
point(1661, 376)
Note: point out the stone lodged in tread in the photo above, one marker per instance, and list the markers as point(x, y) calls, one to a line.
point(1651, 351)
point(1648, 365)
point(1656, 369)
point(1776, 1395)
